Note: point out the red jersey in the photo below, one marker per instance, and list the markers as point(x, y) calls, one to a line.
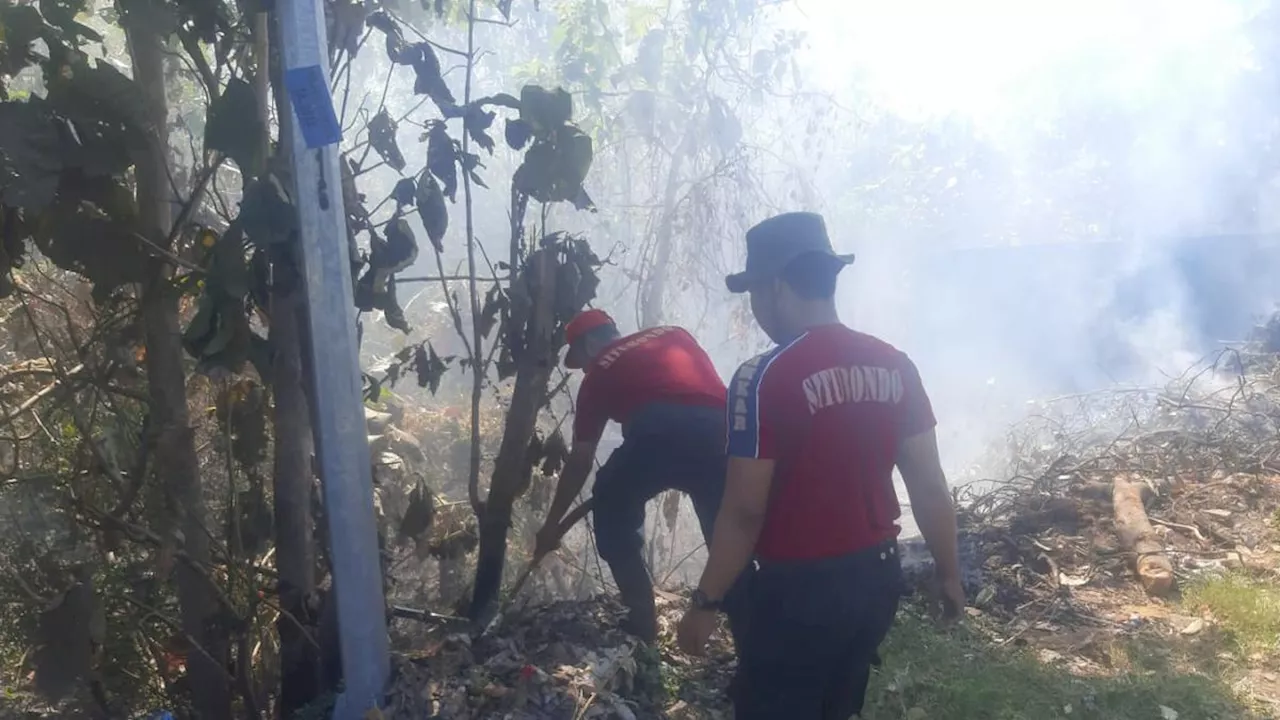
point(831, 408)
point(663, 364)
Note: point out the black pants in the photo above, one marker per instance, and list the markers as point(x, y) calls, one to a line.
point(811, 635)
point(664, 447)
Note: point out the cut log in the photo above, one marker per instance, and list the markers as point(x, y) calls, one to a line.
point(1137, 536)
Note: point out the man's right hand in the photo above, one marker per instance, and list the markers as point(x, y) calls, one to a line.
point(548, 539)
point(951, 593)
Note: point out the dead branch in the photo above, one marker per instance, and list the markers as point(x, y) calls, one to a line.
point(1138, 536)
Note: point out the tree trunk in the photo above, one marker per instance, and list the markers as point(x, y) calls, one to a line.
point(512, 471)
point(299, 664)
point(652, 305)
point(176, 462)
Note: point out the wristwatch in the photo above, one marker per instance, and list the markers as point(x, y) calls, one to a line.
point(700, 601)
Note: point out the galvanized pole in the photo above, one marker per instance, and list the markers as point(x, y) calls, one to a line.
point(342, 446)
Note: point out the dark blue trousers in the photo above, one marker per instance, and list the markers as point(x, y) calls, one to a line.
point(664, 447)
point(811, 634)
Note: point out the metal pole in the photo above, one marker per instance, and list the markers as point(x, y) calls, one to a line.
point(338, 414)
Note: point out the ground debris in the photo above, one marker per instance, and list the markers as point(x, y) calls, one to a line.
point(567, 660)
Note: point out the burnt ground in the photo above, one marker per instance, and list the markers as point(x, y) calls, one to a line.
point(1058, 625)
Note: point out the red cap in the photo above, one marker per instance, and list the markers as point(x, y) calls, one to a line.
point(580, 325)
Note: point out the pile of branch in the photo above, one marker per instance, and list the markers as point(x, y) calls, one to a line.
point(1146, 484)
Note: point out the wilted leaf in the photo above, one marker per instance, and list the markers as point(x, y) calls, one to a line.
point(582, 201)
point(494, 301)
point(649, 56)
point(398, 51)
point(400, 249)
point(545, 110)
point(256, 519)
point(22, 26)
point(382, 137)
point(235, 129)
point(429, 367)
point(554, 168)
point(31, 161)
point(518, 133)
point(67, 629)
point(554, 453)
point(442, 159)
point(725, 127)
point(391, 309)
point(501, 99)
point(477, 123)
point(428, 78)
point(432, 210)
point(420, 514)
point(504, 7)
point(349, 18)
point(266, 213)
point(404, 192)
point(641, 107)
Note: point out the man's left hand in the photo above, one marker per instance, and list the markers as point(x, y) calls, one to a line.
point(695, 630)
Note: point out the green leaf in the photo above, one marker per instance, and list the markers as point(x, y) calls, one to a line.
point(545, 110)
point(432, 210)
point(382, 136)
point(235, 129)
point(228, 272)
point(100, 92)
point(442, 159)
point(92, 229)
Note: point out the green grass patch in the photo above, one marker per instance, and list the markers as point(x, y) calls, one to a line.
point(1247, 608)
point(959, 674)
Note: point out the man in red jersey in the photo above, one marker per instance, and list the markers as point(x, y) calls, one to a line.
point(816, 427)
point(661, 386)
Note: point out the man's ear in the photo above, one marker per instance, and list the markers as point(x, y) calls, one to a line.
point(780, 292)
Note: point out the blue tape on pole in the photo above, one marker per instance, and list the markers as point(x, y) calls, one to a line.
point(313, 106)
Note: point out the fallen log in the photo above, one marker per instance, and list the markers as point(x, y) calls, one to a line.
point(1137, 536)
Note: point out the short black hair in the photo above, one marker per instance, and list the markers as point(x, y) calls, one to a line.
point(813, 275)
